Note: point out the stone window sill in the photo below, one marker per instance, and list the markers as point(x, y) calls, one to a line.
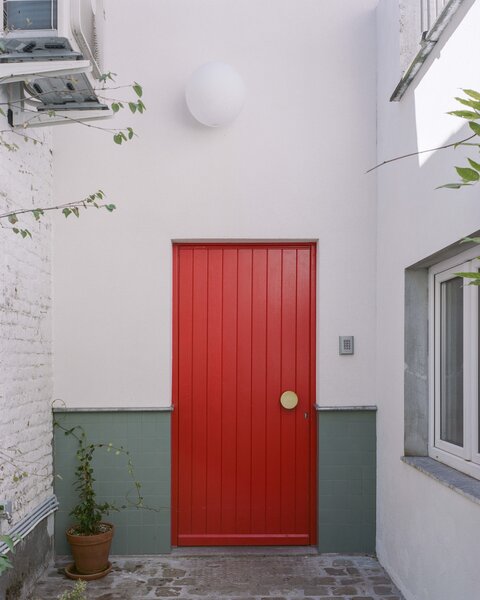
point(455, 480)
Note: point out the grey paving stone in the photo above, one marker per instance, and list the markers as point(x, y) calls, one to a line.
point(256, 575)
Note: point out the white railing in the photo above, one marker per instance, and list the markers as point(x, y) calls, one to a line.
point(430, 10)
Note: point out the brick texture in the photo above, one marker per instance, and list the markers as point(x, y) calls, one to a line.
point(25, 324)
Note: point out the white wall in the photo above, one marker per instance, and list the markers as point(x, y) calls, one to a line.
point(427, 535)
point(26, 382)
point(291, 167)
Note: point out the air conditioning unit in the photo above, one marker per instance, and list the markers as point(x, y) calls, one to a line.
point(54, 50)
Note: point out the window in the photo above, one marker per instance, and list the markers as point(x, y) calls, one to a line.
point(29, 15)
point(454, 364)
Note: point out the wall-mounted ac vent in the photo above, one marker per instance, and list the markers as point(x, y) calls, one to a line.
point(27, 49)
point(58, 64)
point(81, 21)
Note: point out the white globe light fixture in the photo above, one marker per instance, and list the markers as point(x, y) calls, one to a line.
point(215, 94)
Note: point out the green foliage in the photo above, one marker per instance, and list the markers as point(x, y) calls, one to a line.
point(475, 277)
point(88, 512)
point(475, 127)
point(79, 592)
point(5, 562)
point(465, 114)
point(469, 175)
point(120, 136)
point(72, 208)
point(107, 77)
point(124, 135)
point(9, 541)
point(473, 94)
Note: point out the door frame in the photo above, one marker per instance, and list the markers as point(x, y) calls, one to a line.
point(313, 368)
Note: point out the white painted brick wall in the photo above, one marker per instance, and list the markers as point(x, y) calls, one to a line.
point(25, 324)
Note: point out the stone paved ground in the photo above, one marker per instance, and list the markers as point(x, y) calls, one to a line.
point(235, 576)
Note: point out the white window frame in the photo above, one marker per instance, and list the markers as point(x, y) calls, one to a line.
point(466, 458)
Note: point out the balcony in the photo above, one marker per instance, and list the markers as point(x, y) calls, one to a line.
point(422, 22)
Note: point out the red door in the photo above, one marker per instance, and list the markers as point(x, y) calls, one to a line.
point(244, 332)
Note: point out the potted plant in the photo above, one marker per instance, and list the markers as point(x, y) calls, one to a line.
point(90, 537)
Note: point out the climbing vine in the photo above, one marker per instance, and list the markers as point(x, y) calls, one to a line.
point(14, 219)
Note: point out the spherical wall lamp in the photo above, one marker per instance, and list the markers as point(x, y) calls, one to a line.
point(215, 94)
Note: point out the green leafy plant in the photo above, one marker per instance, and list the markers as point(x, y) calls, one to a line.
point(469, 174)
point(95, 200)
point(78, 592)
point(5, 562)
point(88, 512)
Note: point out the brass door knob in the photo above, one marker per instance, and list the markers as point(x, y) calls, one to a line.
point(289, 400)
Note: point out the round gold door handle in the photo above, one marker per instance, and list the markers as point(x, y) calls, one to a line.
point(289, 400)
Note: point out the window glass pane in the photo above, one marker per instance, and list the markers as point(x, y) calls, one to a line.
point(451, 361)
point(31, 14)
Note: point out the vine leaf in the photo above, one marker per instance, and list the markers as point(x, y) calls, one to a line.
point(468, 174)
point(472, 94)
point(465, 114)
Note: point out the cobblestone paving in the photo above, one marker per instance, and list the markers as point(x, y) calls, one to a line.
point(234, 577)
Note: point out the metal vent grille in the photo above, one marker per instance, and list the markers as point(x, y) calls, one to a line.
point(88, 20)
point(68, 92)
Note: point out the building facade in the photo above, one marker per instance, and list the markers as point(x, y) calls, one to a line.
point(236, 259)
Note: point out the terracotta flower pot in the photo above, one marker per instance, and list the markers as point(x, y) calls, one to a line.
point(90, 552)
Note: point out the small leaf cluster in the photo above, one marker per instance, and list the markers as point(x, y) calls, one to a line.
point(5, 562)
point(119, 137)
point(78, 592)
point(109, 76)
point(474, 275)
point(91, 201)
point(13, 220)
point(95, 200)
point(469, 174)
point(88, 512)
point(19, 475)
point(138, 106)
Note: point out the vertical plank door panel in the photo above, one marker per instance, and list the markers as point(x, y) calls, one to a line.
point(244, 332)
point(214, 391)
point(259, 389)
point(274, 389)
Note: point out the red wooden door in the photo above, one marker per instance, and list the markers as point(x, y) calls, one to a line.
point(244, 332)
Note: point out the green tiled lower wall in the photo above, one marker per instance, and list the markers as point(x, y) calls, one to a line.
point(146, 435)
point(347, 481)
point(346, 485)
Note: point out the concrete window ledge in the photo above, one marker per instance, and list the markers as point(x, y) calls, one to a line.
point(455, 480)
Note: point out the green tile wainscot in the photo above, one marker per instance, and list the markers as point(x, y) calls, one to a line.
point(346, 479)
point(145, 433)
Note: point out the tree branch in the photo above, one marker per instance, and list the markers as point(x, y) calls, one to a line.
point(386, 162)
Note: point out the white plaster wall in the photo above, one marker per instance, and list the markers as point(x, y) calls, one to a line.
point(427, 535)
point(26, 381)
point(291, 167)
